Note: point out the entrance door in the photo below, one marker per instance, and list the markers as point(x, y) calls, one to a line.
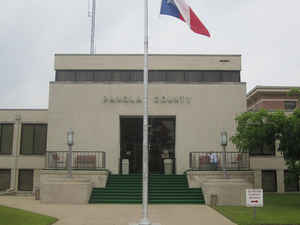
point(132, 143)
point(161, 142)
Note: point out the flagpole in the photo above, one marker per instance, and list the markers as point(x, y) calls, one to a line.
point(145, 220)
point(93, 49)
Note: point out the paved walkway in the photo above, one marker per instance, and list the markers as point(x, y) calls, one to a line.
point(106, 214)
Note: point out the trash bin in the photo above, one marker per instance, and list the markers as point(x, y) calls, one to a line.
point(168, 164)
point(125, 166)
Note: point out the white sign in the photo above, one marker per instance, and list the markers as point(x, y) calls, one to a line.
point(254, 198)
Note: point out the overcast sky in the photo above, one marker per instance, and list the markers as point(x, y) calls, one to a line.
point(265, 32)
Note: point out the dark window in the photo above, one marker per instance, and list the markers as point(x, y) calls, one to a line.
point(154, 75)
point(291, 181)
point(85, 76)
point(4, 179)
point(269, 181)
point(231, 76)
point(103, 75)
point(136, 76)
point(125, 76)
point(6, 138)
point(289, 105)
point(65, 75)
point(34, 139)
point(25, 180)
point(266, 149)
point(175, 76)
point(115, 76)
point(193, 76)
point(212, 76)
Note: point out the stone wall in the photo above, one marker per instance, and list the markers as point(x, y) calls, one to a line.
point(196, 178)
point(97, 178)
point(224, 191)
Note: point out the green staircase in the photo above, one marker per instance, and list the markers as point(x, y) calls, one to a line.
point(169, 189)
point(163, 189)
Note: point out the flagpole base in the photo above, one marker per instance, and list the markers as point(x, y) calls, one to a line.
point(145, 221)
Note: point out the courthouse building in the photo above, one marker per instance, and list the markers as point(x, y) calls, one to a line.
point(192, 99)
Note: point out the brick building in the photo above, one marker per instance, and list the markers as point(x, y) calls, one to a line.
point(273, 98)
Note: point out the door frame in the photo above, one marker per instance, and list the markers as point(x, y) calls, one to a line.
point(149, 118)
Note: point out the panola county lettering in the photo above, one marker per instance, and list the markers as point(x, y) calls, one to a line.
point(155, 100)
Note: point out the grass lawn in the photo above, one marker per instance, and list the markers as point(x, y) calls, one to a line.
point(11, 216)
point(278, 209)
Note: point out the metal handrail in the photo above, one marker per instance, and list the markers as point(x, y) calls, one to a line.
point(214, 161)
point(80, 159)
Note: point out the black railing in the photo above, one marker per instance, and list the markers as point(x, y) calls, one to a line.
point(80, 160)
point(218, 161)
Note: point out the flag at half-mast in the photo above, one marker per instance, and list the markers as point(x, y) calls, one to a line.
point(181, 10)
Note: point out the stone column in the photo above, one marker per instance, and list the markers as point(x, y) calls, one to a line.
point(280, 181)
point(36, 179)
point(16, 152)
point(257, 179)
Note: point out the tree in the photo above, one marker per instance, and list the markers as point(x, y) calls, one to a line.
point(290, 141)
point(257, 131)
point(294, 92)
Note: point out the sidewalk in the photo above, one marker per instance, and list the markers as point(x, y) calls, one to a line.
point(107, 214)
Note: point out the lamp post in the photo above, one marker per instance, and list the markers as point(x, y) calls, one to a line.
point(70, 142)
point(224, 142)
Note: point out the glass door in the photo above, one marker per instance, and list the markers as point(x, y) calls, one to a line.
point(161, 141)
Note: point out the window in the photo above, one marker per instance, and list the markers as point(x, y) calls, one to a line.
point(136, 76)
point(289, 105)
point(291, 181)
point(212, 76)
point(181, 76)
point(85, 76)
point(156, 75)
point(102, 75)
point(34, 139)
point(25, 180)
point(175, 76)
point(231, 76)
point(264, 150)
point(193, 76)
point(4, 179)
point(65, 75)
point(6, 138)
point(269, 181)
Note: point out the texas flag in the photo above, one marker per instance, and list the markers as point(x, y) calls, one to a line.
point(181, 10)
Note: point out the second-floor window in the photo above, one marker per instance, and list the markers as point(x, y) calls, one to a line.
point(265, 150)
point(34, 139)
point(289, 105)
point(6, 138)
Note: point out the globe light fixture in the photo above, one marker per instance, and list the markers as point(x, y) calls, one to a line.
point(70, 142)
point(224, 142)
point(70, 137)
point(224, 138)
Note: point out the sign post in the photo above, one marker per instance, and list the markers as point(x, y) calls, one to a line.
point(254, 198)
